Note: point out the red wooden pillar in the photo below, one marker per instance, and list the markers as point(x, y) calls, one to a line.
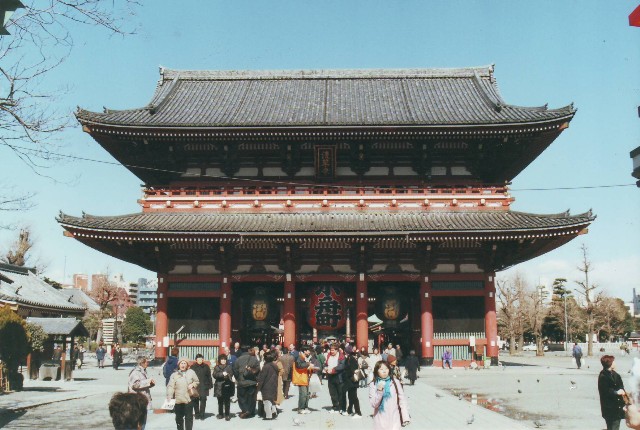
point(162, 322)
point(426, 322)
point(289, 307)
point(225, 313)
point(490, 320)
point(362, 305)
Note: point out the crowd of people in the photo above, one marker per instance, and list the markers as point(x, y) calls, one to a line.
point(260, 380)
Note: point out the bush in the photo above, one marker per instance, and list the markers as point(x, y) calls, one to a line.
point(14, 344)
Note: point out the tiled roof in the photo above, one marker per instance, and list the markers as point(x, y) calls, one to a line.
point(412, 97)
point(323, 223)
point(80, 298)
point(60, 326)
point(28, 289)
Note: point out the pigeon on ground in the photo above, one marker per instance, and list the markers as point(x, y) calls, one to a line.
point(518, 381)
point(573, 387)
point(438, 395)
point(297, 422)
point(573, 382)
point(537, 380)
point(519, 391)
point(470, 420)
point(459, 396)
point(538, 424)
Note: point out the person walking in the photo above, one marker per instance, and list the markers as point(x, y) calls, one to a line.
point(101, 352)
point(352, 374)
point(268, 385)
point(386, 396)
point(183, 383)
point(245, 370)
point(139, 382)
point(116, 355)
point(203, 372)
point(300, 378)
point(577, 354)
point(286, 359)
point(372, 360)
point(280, 397)
point(390, 350)
point(611, 390)
point(170, 365)
point(75, 357)
point(363, 365)
point(334, 369)
point(224, 387)
point(412, 366)
point(395, 369)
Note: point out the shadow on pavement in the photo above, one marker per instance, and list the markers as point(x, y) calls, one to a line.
point(6, 416)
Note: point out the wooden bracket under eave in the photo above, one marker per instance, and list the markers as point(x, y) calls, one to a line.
point(583, 231)
point(67, 233)
point(86, 129)
point(563, 126)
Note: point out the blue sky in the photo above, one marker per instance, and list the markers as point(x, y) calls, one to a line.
point(554, 52)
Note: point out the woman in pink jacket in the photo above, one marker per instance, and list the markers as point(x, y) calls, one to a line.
point(390, 410)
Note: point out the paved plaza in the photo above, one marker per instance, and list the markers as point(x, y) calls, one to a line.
point(527, 389)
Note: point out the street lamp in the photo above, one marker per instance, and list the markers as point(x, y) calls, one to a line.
point(560, 290)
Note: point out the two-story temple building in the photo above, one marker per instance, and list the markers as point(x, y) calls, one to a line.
point(295, 205)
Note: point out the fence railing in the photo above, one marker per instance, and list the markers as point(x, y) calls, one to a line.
point(459, 335)
point(210, 353)
point(195, 336)
point(459, 352)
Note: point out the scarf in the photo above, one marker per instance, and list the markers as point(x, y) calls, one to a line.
point(386, 394)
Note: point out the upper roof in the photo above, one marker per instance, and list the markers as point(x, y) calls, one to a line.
point(357, 223)
point(326, 98)
point(26, 288)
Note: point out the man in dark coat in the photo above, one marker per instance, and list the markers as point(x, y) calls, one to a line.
point(412, 365)
point(287, 364)
point(170, 365)
point(203, 372)
point(611, 392)
point(245, 370)
point(268, 384)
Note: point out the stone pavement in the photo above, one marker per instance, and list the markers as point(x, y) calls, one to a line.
point(82, 403)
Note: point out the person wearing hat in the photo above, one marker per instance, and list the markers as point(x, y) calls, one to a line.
point(183, 385)
point(395, 369)
point(203, 372)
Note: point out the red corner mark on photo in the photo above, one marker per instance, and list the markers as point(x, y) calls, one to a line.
point(634, 18)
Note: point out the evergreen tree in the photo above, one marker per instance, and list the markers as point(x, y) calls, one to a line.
point(136, 324)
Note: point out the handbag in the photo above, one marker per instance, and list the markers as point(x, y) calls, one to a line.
point(193, 392)
point(314, 384)
point(169, 404)
point(299, 376)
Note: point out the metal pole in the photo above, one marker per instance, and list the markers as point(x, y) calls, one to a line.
point(566, 324)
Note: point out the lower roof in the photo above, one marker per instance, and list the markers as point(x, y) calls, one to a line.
point(324, 224)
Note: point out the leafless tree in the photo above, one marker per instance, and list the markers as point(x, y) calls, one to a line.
point(40, 41)
point(610, 316)
point(17, 253)
point(535, 311)
point(105, 294)
point(587, 290)
point(511, 294)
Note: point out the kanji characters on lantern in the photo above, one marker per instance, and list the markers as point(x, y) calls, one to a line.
point(327, 311)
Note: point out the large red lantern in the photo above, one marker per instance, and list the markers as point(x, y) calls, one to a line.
point(327, 307)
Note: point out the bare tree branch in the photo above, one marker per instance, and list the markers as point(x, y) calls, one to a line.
point(40, 41)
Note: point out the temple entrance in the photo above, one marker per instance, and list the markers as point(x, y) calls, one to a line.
point(256, 314)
